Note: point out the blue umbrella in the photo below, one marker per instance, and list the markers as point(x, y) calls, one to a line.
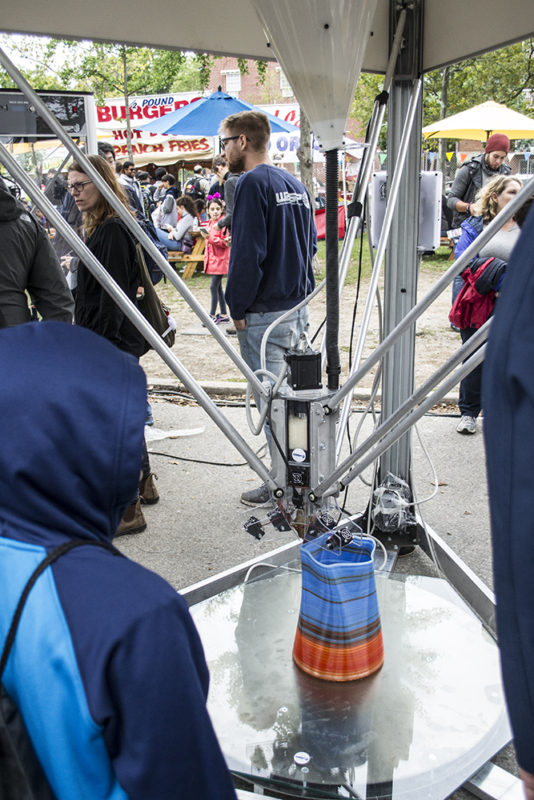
point(203, 117)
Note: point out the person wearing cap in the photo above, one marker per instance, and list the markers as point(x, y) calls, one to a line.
point(197, 187)
point(475, 174)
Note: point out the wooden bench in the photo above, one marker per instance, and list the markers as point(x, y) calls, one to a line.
point(446, 242)
point(189, 260)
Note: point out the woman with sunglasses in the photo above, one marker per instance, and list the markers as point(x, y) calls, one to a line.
point(109, 240)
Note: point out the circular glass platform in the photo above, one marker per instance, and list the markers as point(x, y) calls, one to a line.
point(418, 728)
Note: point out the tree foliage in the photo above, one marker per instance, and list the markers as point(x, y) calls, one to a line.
point(97, 67)
point(505, 75)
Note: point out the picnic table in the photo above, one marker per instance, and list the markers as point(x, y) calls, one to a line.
point(190, 260)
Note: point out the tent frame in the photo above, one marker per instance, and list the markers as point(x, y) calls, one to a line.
point(402, 263)
point(401, 311)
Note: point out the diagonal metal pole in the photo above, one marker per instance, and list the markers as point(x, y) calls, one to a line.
point(455, 269)
point(416, 413)
point(126, 305)
point(131, 223)
point(409, 404)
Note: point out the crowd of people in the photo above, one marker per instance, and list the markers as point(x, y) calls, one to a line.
point(119, 650)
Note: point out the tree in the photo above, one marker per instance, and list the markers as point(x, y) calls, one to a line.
point(505, 75)
point(106, 69)
point(369, 86)
point(305, 155)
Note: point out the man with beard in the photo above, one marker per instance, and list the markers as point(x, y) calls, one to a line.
point(475, 174)
point(273, 244)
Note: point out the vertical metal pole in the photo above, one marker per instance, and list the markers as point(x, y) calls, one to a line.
point(402, 257)
point(90, 125)
point(333, 367)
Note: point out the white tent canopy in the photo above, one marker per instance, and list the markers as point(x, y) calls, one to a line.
point(452, 30)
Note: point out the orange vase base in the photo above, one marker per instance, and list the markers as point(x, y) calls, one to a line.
point(332, 663)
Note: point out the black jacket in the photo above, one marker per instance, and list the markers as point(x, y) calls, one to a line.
point(113, 246)
point(490, 279)
point(28, 264)
point(467, 181)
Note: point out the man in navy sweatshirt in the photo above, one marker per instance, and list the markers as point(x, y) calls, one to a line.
point(273, 244)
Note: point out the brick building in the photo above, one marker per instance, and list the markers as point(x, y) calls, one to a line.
point(247, 86)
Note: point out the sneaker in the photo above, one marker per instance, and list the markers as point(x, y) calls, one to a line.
point(261, 496)
point(148, 494)
point(231, 331)
point(467, 424)
point(133, 520)
point(222, 319)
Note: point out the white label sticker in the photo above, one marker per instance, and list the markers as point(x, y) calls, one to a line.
point(298, 454)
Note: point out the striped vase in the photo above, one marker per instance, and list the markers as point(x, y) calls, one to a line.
point(339, 636)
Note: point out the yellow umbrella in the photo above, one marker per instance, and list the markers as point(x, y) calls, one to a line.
point(480, 122)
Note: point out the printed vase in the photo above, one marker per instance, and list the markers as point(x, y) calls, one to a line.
point(339, 635)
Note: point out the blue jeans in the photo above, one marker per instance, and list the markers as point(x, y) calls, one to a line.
point(170, 244)
point(283, 338)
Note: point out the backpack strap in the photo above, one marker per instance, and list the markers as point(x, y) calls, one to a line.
point(50, 558)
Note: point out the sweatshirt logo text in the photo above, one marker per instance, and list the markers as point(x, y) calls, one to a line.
point(292, 198)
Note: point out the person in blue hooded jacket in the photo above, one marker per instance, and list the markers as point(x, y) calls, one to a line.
point(107, 668)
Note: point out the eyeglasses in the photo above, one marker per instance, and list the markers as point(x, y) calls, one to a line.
point(224, 142)
point(76, 188)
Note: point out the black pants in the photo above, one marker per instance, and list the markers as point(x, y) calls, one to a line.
point(217, 295)
point(469, 399)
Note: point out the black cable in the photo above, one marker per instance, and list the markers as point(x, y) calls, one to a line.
point(318, 331)
point(275, 440)
point(358, 285)
point(198, 460)
point(333, 364)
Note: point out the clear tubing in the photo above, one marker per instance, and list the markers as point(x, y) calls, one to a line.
point(380, 252)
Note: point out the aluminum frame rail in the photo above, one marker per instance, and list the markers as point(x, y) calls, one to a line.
point(130, 223)
point(415, 312)
point(126, 305)
point(380, 252)
point(396, 432)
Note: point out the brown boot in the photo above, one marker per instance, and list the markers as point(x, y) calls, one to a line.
point(148, 494)
point(133, 520)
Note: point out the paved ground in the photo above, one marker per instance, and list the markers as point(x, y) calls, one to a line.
point(196, 530)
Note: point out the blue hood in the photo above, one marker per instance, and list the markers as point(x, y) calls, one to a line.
point(73, 409)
